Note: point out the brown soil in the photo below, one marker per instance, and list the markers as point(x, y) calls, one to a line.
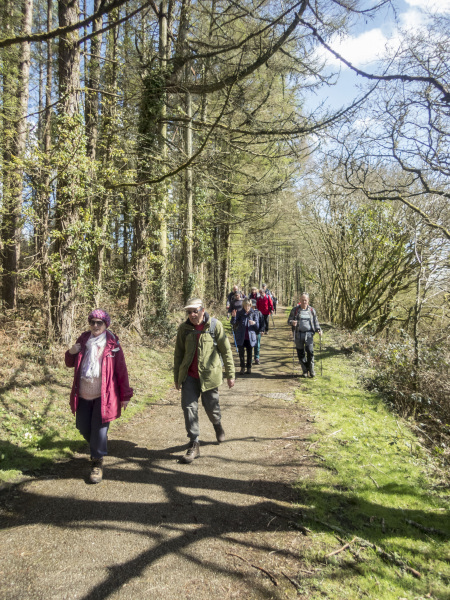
point(156, 528)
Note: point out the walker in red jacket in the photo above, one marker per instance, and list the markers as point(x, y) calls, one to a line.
point(100, 388)
point(265, 306)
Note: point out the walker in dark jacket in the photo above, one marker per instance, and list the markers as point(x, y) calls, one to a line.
point(306, 325)
point(246, 334)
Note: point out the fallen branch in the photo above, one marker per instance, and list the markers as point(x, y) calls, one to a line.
point(426, 529)
point(301, 528)
point(294, 583)
point(377, 468)
point(382, 553)
point(344, 547)
point(389, 557)
point(334, 433)
point(269, 575)
point(309, 572)
point(332, 527)
point(370, 477)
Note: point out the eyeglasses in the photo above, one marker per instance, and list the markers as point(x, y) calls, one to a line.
point(194, 311)
point(93, 322)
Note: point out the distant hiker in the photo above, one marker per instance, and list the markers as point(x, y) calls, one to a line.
point(246, 327)
point(235, 303)
point(275, 302)
point(253, 294)
point(261, 328)
point(200, 345)
point(266, 290)
point(265, 305)
point(232, 294)
point(304, 320)
point(100, 389)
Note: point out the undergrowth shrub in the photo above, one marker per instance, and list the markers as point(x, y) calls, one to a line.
point(421, 395)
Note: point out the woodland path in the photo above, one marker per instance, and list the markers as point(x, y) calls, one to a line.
point(156, 528)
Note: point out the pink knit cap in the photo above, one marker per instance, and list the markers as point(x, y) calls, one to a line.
point(99, 313)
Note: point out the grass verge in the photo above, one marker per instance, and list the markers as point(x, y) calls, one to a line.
point(373, 490)
point(37, 426)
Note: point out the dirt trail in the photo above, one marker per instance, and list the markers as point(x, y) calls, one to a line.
point(158, 528)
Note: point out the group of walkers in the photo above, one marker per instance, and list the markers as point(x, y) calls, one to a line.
point(250, 319)
point(101, 390)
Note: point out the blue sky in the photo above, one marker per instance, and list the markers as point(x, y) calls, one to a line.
point(367, 42)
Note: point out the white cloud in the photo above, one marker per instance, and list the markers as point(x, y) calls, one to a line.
point(370, 46)
point(412, 20)
point(438, 6)
point(360, 50)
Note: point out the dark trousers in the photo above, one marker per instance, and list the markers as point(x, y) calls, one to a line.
point(305, 346)
point(242, 350)
point(266, 322)
point(89, 423)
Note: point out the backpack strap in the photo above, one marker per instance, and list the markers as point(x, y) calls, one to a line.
point(212, 329)
point(312, 313)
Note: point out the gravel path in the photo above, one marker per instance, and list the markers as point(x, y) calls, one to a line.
point(156, 528)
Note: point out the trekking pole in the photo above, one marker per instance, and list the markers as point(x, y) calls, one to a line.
point(321, 362)
point(273, 321)
point(293, 357)
point(234, 338)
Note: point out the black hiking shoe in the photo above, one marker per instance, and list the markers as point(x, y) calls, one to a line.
point(249, 370)
point(96, 475)
point(192, 452)
point(242, 371)
point(220, 433)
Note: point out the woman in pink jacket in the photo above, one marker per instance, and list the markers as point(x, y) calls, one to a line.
point(100, 387)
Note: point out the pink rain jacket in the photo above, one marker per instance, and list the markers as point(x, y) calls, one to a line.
point(115, 386)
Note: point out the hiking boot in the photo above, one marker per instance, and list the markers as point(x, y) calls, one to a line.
point(256, 361)
point(242, 371)
point(192, 452)
point(96, 475)
point(249, 370)
point(220, 433)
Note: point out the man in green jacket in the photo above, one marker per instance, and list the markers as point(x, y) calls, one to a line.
point(201, 343)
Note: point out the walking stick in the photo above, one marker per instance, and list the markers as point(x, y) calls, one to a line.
point(234, 338)
point(273, 321)
point(321, 363)
point(293, 357)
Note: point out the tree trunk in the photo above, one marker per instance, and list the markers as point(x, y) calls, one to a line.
point(102, 208)
point(161, 275)
point(44, 184)
point(93, 84)
point(68, 201)
point(226, 237)
point(188, 233)
point(12, 208)
point(216, 264)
